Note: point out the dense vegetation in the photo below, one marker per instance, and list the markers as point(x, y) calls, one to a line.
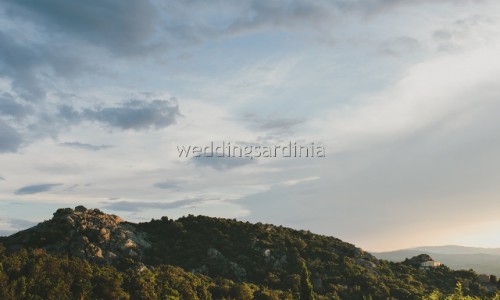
point(37, 275)
point(273, 256)
point(211, 258)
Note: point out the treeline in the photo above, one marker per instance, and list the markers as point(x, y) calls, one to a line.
point(34, 274)
point(272, 256)
point(214, 258)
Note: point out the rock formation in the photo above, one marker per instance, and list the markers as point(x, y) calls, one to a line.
point(85, 233)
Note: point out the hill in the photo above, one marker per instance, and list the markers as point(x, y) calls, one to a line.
point(87, 254)
point(454, 249)
point(482, 260)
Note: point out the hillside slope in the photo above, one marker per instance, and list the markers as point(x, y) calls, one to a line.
point(289, 262)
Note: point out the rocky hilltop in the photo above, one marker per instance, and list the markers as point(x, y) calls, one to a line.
point(85, 233)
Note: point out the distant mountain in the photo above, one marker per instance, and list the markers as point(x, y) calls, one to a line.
point(86, 254)
point(453, 249)
point(482, 260)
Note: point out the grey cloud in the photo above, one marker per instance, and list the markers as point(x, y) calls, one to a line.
point(18, 61)
point(137, 114)
point(37, 188)
point(68, 113)
point(1, 178)
point(29, 63)
point(274, 13)
point(84, 146)
point(283, 124)
point(222, 163)
point(167, 185)
point(10, 139)
point(141, 27)
point(306, 15)
point(124, 27)
point(133, 114)
point(10, 107)
point(137, 206)
point(374, 7)
point(276, 126)
point(71, 188)
point(135, 27)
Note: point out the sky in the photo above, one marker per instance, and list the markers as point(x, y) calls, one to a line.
point(96, 97)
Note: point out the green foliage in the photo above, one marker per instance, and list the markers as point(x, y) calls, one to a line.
point(227, 259)
point(37, 275)
point(272, 256)
point(458, 294)
point(306, 288)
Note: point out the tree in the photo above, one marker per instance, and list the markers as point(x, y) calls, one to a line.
point(243, 292)
point(493, 279)
point(306, 288)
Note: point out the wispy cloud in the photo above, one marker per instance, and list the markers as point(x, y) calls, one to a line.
point(36, 188)
point(84, 146)
point(222, 163)
point(167, 185)
point(133, 114)
point(138, 205)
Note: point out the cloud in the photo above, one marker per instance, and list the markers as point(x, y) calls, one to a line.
point(142, 29)
point(10, 139)
point(299, 181)
point(10, 107)
point(137, 206)
point(28, 64)
point(37, 188)
point(300, 15)
point(281, 124)
point(137, 114)
point(123, 27)
point(465, 32)
point(167, 185)
point(136, 27)
point(274, 127)
point(1, 177)
point(69, 114)
point(274, 13)
point(83, 146)
point(133, 114)
point(18, 62)
point(35, 47)
point(222, 163)
point(71, 188)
